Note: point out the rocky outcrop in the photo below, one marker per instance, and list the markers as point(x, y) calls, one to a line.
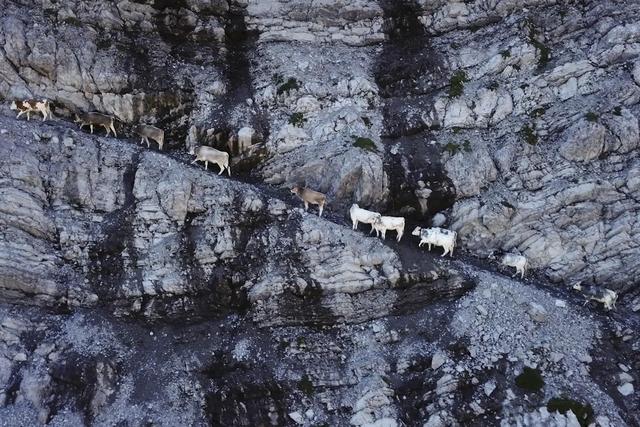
point(110, 223)
point(550, 175)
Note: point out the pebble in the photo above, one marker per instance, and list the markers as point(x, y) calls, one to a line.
point(482, 310)
point(626, 389)
point(560, 303)
point(296, 417)
point(555, 357)
point(537, 312)
point(20, 357)
point(625, 378)
point(477, 409)
point(438, 359)
point(489, 387)
point(585, 358)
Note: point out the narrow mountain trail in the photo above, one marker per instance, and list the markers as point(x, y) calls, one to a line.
point(411, 256)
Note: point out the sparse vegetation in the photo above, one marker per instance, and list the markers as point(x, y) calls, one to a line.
point(452, 148)
point(305, 385)
point(530, 380)
point(456, 83)
point(366, 121)
point(516, 67)
point(538, 112)
point(591, 116)
point(297, 119)
point(364, 143)
point(617, 111)
point(456, 129)
point(493, 85)
point(583, 412)
point(529, 135)
point(291, 84)
point(505, 53)
point(72, 20)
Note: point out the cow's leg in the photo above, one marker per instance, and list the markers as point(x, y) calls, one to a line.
point(221, 168)
point(355, 224)
point(113, 129)
point(320, 209)
point(28, 115)
point(206, 164)
point(306, 206)
point(91, 127)
point(106, 128)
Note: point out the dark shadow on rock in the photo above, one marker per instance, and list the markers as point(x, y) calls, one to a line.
point(408, 71)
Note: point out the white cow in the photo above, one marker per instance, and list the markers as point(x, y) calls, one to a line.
point(438, 237)
point(605, 296)
point(389, 223)
point(208, 154)
point(362, 215)
point(517, 261)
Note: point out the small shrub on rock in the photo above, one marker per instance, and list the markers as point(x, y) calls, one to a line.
point(297, 119)
point(365, 143)
point(456, 83)
point(288, 86)
point(529, 135)
point(591, 116)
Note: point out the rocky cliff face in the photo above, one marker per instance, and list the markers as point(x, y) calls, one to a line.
point(137, 289)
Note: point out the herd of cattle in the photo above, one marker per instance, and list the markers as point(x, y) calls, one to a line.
point(435, 236)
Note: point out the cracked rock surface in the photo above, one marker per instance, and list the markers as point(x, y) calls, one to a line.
point(139, 289)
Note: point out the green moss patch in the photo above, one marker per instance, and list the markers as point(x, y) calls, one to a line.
point(591, 116)
point(456, 84)
point(305, 385)
point(291, 84)
point(297, 119)
point(365, 144)
point(529, 135)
